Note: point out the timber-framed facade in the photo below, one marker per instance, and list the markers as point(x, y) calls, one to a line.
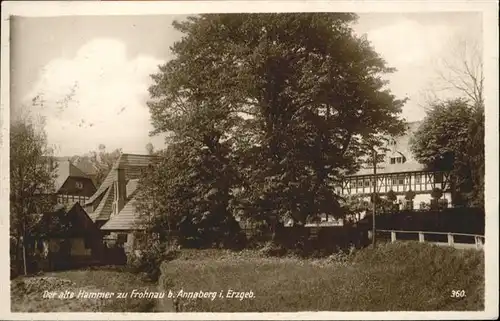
point(400, 173)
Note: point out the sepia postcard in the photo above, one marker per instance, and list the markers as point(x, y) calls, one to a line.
point(249, 160)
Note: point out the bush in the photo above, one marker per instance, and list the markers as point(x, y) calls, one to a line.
point(273, 249)
point(149, 260)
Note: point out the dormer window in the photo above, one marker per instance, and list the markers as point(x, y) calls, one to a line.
point(398, 160)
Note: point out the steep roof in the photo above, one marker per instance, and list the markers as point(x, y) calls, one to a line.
point(85, 166)
point(400, 148)
point(103, 211)
point(127, 219)
point(62, 221)
point(64, 170)
point(132, 165)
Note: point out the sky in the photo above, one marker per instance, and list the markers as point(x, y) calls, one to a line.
point(91, 73)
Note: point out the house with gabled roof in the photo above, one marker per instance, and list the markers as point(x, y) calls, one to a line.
point(112, 207)
point(71, 184)
point(400, 173)
point(65, 237)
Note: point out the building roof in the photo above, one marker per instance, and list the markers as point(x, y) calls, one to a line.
point(61, 221)
point(131, 162)
point(400, 148)
point(127, 219)
point(64, 170)
point(132, 165)
point(86, 166)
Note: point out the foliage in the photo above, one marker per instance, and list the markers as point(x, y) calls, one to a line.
point(31, 179)
point(410, 195)
point(355, 205)
point(102, 161)
point(150, 258)
point(451, 138)
point(150, 148)
point(436, 193)
point(391, 196)
point(270, 97)
point(186, 193)
point(392, 277)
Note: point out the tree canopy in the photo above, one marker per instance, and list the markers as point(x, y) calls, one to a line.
point(285, 103)
point(31, 178)
point(451, 139)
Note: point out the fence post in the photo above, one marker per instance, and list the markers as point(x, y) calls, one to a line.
point(479, 243)
point(393, 236)
point(421, 237)
point(450, 239)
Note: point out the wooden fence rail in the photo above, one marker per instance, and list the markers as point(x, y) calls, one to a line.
point(478, 239)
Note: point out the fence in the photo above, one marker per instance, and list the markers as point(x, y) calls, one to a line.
point(464, 239)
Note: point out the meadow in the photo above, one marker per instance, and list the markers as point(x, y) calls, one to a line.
point(401, 276)
point(393, 277)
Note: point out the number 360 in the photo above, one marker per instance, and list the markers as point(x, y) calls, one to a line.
point(458, 294)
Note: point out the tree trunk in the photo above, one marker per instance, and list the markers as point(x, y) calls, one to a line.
point(25, 268)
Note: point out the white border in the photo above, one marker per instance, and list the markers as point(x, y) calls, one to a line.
point(69, 8)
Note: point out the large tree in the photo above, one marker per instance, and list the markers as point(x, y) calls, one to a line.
point(293, 97)
point(448, 141)
point(183, 192)
point(31, 182)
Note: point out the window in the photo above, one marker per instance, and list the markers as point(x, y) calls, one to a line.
point(122, 238)
point(401, 180)
point(79, 185)
point(398, 160)
point(418, 179)
point(367, 182)
point(438, 178)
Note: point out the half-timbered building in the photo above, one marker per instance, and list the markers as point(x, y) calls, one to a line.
point(399, 172)
point(71, 184)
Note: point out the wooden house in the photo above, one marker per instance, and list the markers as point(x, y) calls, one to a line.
point(112, 207)
point(65, 238)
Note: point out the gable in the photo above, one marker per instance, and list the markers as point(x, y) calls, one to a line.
point(63, 170)
point(132, 166)
point(79, 186)
point(65, 222)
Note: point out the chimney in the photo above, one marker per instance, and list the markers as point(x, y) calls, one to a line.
point(120, 190)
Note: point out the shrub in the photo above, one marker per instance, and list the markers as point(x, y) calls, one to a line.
point(149, 259)
point(273, 249)
point(410, 195)
point(391, 196)
point(436, 193)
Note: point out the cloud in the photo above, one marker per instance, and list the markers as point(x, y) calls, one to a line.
point(98, 96)
point(411, 47)
point(408, 42)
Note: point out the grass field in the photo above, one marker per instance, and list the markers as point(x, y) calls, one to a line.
point(394, 277)
point(27, 292)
